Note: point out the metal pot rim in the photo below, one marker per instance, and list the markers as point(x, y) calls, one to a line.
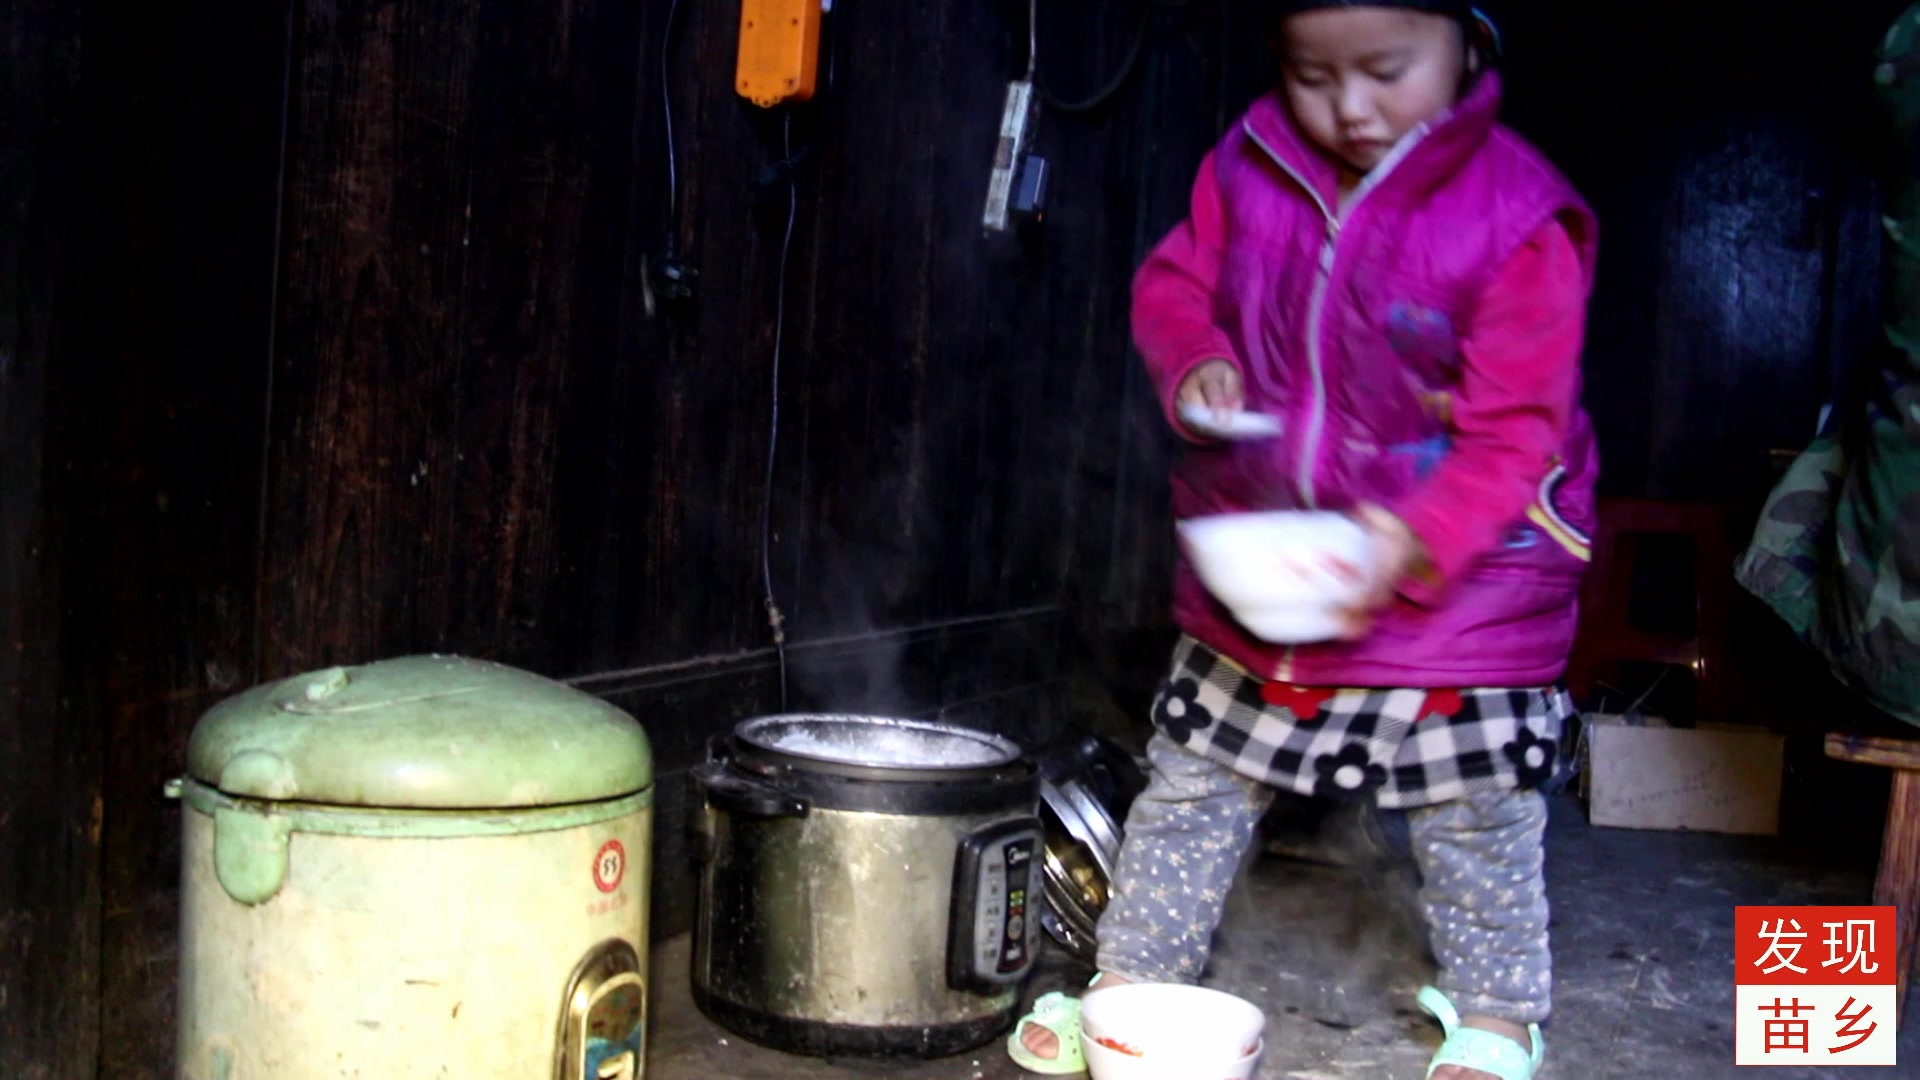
point(757, 738)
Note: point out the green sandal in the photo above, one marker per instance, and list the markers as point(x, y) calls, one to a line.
point(1472, 1048)
point(1059, 1014)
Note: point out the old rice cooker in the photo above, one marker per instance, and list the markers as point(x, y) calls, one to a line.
point(422, 867)
point(867, 884)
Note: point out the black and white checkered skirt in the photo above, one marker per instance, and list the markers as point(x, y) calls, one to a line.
point(1401, 748)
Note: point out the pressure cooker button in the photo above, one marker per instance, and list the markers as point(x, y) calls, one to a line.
point(1015, 927)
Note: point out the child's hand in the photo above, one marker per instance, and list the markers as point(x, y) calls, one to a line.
point(1215, 384)
point(1396, 551)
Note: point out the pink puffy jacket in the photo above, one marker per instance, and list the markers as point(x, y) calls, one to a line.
point(1421, 354)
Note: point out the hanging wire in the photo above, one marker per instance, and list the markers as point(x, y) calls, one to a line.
point(1033, 38)
point(666, 108)
point(1120, 77)
point(776, 621)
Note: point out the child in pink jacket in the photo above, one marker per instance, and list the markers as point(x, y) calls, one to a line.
point(1374, 260)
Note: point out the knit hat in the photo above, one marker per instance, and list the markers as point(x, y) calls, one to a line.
point(1459, 9)
point(1479, 25)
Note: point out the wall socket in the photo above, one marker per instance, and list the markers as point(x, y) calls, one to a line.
point(1016, 133)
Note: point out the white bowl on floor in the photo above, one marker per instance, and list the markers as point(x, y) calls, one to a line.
point(1285, 575)
point(1166, 1031)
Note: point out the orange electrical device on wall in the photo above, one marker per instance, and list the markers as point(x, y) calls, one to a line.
point(779, 50)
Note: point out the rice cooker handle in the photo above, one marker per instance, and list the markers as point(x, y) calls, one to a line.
point(728, 791)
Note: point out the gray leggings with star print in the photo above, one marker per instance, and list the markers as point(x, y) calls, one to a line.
point(1483, 891)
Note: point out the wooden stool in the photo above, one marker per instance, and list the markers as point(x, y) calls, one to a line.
point(1607, 636)
point(1898, 883)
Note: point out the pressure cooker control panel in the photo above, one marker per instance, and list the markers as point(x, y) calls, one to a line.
point(995, 921)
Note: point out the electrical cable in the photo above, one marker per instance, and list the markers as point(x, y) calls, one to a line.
point(1120, 78)
point(1105, 93)
point(776, 621)
point(666, 109)
point(790, 165)
point(1033, 39)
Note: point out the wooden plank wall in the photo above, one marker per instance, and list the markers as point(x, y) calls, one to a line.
point(329, 342)
point(50, 763)
point(1728, 161)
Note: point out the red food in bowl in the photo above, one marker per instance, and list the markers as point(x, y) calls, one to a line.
point(1117, 1045)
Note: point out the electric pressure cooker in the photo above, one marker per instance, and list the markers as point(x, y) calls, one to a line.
point(867, 885)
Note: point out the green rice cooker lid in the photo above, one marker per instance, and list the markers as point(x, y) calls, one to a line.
point(421, 732)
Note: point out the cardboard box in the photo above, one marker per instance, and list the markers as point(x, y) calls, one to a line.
point(1584, 750)
point(1723, 779)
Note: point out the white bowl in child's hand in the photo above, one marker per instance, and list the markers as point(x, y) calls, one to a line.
point(1166, 1031)
point(1286, 574)
point(1293, 625)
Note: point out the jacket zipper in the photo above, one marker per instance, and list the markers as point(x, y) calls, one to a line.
point(1316, 307)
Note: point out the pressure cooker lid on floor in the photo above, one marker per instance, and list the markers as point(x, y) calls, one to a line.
point(421, 732)
point(858, 745)
point(1088, 789)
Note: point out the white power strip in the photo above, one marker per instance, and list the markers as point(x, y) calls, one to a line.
point(1016, 131)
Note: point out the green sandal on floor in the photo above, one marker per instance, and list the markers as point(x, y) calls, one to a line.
point(1059, 1014)
point(1472, 1048)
